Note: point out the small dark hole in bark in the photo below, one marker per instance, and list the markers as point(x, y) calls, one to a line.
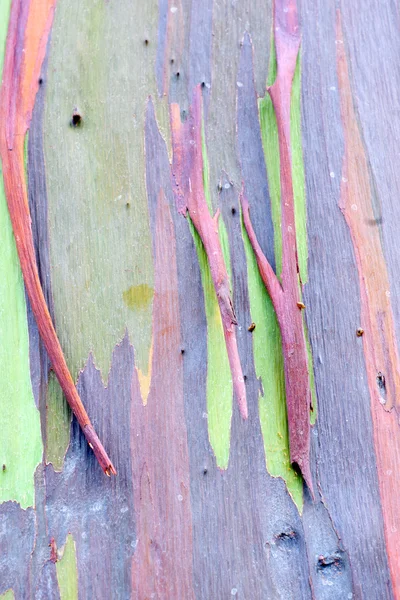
point(330, 562)
point(40, 81)
point(182, 350)
point(381, 383)
point(205, 471)
point(286, 536)
point(128, 204)
point(178, 74)
point(233, 210)
point(245, 377)
point(146, 42)
point(203, 84)
point(76, 120)
point(380, 380)
point(172, 61)
point(4, 467)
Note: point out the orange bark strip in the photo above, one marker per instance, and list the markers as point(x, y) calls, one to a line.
point(162, 564)
point(189, 193)
point(379, 339)
point(39, 22)
point(29, 28)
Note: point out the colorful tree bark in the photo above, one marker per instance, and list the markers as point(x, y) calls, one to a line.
point(174, 329)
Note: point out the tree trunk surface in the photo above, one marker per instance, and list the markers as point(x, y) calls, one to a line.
point(134, 130)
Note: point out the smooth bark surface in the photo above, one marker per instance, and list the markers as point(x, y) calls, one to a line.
point(165, 319)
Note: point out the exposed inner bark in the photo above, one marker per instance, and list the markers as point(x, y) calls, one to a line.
point(286, 297)
point(190, 197)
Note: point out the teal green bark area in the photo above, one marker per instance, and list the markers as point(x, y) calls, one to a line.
point(67, 572)
point(100, 68)
point(20, 441)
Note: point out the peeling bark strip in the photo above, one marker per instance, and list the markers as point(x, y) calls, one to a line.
point(187, 171)
point(379, 338)
point(29, 28)
point(286, 297)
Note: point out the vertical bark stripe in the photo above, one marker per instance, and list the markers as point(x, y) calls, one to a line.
point(162, 564)
point(379, 339)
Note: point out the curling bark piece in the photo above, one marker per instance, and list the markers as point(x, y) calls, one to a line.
point(18, 93)
point(286, 296)
point(187, 171)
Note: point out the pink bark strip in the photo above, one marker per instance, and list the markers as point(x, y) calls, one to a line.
point(286, 297)
point(189, 193)
point(379, 339)
point(162, 563)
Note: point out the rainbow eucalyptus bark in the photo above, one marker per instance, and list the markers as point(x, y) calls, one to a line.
point(18, 93)
point(286, 296)
point(189, 193)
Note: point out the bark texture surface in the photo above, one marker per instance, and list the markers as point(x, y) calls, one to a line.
point(156, 328)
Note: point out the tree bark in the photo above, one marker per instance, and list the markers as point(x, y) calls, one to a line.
point(144, 140)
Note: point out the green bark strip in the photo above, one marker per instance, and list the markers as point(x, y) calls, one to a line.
point(266, 337)
point(269, 136)
point(99, 229)
point(268, 361)
point(20, 442)
point(219, 377)
point(67, 572)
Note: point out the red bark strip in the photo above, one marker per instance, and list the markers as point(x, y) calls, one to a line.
point(29, 28)
point(379, 337)
point(286, 297)
point(162, 563)
point(189, 193)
